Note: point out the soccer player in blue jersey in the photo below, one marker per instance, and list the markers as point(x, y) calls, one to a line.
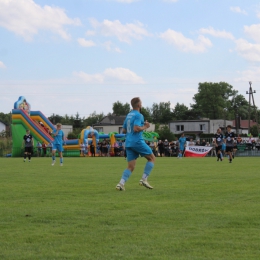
point(182, 142)
point(59, 139)
point(135, 145)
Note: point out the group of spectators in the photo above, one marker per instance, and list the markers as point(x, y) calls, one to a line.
point(42, 148)
point(104, 149)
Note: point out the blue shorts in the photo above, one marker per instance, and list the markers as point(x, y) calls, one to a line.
point(57, 147)
point(132, 153)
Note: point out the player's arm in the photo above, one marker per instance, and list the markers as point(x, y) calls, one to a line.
point(123, 131)
point(138, 128)
point(64, 139)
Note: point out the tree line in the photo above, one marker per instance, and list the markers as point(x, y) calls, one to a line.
point(213, 101)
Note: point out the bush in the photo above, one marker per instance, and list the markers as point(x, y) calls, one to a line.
point(72, 135)
point(165, 133)
point(5, 146)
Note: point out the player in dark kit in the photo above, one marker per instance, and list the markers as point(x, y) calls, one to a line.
point(229, 136)
point(218, 141)
point(28, 145)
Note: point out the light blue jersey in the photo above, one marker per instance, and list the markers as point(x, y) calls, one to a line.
point(58, 139)
point(133, 139)
point(182, 141)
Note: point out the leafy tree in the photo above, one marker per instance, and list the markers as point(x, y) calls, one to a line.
point(93, 119)
point(147, 114)
point(165, 133)
point(161, 113)
point(181, 112)
point(212, 98)
point(238, 106)
point(56, 119)
point(254, 130)
point(121, 109)
point(72, 135)
point(6, 118)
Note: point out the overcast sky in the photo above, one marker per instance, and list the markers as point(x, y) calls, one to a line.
point(69, 56)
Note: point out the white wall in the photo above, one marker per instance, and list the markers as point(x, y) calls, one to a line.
point(2, 127)
point(115, 128)
point(189, 126)
point(67, 129)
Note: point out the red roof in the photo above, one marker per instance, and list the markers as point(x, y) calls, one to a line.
point(244, 123)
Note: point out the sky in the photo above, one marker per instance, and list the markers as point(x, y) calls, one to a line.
point(81, 56)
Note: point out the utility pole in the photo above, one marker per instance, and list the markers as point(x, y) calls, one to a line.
point(251, 93)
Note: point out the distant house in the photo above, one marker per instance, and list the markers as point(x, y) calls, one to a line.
point(110, 124)
point(3, 126)
point(113, 123)
point(67, 129)
point(198, 127)
point(243, 125)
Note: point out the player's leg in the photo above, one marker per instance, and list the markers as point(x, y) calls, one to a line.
point(131, 158)
point(60, 150)
point(61, 158)
point(229, 152)
point(54, 148)
point(30, 154)
point(146, 152)
point(25, 154)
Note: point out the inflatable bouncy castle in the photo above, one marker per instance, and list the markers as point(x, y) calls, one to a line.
point(41, 127)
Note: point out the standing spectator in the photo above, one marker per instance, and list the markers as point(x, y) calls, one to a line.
point(161, 148)
point(166, 147)
point(39, 148)
point(120, 147)
point(152, 146)
point(104, 149)
point(49, 146)
point(197, 143)
point(208, 145)
point(28, 145)
point(99, 149)
point(213, 150)
point(44, 149)
point(92, 150)
point(203, 143)
point(239, 139)
point(82, 149)
point(191, 142)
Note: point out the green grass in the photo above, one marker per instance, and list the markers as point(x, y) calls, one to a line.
point(198, 209)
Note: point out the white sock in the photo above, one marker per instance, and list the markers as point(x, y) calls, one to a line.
point(145, 176)
point(122, 181)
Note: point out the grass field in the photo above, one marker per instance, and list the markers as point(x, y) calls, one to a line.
point(198, 209)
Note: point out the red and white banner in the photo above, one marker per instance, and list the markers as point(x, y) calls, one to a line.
point(197, 151)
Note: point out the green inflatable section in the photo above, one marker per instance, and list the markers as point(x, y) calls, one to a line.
point(18, 132)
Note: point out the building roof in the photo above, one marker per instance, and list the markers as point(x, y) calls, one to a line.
point(111, 120)
point(3, 123)
point(244, 124)
point(198, 120)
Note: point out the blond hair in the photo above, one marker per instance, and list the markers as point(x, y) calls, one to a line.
point(135, 101)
